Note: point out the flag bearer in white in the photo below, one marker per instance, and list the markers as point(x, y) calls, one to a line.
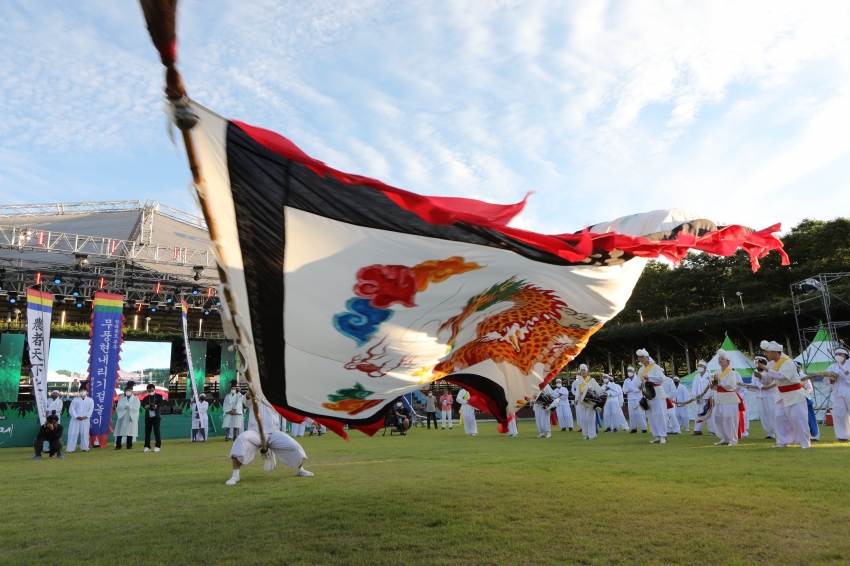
point(575, 388)
point(840, 395)
point(127, 417)
point(281, 446)
point(653, 375)
point(467, 411)
point(726, 417)
point(613, 404)
point(587, 420)
point(54, 403)
point(565, 414)
point(232, 409)
point(673, 426)
point(766, 403)
point(791, 420)
point(631, 387)
point(682, 396)
point(80, 410)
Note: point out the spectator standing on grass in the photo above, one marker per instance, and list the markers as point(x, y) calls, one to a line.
point(80, 410)
point(55, 403)
point(232, 421)
point(49, 438)
point(127, 417)
point(446, 408)
point(431, 409)
point(153, 415)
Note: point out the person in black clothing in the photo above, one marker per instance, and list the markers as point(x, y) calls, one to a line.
point(401, 417)
point(153, 406)
point(50, 432)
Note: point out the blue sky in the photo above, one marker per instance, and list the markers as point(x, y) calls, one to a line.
point(739, 111)
point(72, 355)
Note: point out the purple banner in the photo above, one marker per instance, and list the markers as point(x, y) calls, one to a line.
point(106, 326)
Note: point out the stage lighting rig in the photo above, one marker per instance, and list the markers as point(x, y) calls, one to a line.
point(13, 297)
point(198, 269)
point(82, 260)
point(57, 279)
point(195, 290)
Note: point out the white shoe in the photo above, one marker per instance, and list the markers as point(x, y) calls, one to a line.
point(68, 451)
point(548, 435)
point(655, 441)
point(302, 473)
point(232, 481)
point(146, 450)
point(663, 440)
point(156, 449)
point(779, 446)
point(540, 435)
point(721, 443)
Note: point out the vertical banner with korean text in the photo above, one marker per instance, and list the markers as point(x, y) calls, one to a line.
point(190, 376)
point(106, 329)
point(11, 356)
point(39, 311)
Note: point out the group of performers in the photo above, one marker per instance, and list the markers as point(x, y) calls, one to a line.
point(660, 403)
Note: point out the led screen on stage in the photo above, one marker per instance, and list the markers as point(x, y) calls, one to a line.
point(142, 362)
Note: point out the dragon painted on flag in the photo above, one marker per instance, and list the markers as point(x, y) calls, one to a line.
point(343, 293)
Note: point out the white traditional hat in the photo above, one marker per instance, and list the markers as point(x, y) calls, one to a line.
point(721, 353)
point(558, 380)
point(770, 346)
point(582, 367)
point(702, 363)
point(760, 359)
point(57, 391)
point(842, 351)
point(630, 368)
point(641, 352)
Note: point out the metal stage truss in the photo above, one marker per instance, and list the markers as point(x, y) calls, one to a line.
point(815, 299)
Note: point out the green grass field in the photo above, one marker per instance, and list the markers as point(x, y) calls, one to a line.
point(436, 497)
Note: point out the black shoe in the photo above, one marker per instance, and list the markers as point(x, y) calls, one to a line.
point(607, 430)
point(769, 438)
point(571, 429)
point(643, 431)
point(118, 448)
point(563, 429)
point(633, 431)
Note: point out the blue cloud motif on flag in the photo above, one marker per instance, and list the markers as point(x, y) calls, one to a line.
point(362, 320)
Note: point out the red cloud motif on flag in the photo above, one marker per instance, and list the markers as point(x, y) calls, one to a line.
point(386, 285)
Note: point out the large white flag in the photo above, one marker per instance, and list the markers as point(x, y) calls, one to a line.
point(39, 312)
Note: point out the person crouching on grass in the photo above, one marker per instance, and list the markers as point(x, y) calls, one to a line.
point(281, 446)
point(49, 434)
point(401, 418)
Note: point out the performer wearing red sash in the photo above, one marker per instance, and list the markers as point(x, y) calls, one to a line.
point(727, 416)
point(653, 375)
point(791, 421)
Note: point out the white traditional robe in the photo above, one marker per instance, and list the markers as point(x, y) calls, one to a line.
point(727, 416)
point(127, 417)
point(542, 414)
point(792, 413)
point(284, 447)
point(637, 416)
point(588, 413)
point(564, 412)
point(512, 428)
point(232, 424)
point(79, 408)
point(54, 405)
point(682, 396)
point(574, 388)
point(698, 387)
point(200, 421)
point(673, 425)
point(611, 416)
point(840, 399)
point(766, 404)
point(658, 406)
point(470, 427)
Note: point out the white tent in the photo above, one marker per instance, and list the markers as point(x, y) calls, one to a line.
point(819, 354)
point(740, 362)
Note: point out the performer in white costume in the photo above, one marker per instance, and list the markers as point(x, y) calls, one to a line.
point(512, 428)
point(280, 444)
point(200, 420)
point(232, 409)
point(726, 417)
point(467, 411)
point(631, 387)
point(80, 410)
point(574, 389)
point(809, 391)
point(127, 417)
point(587, 418)
point(840, 395)
point(54, 403)
point(673, 426)
point(542, 415)
point(651, 374)
point(564, 412)
point(700, 388)
point(791, 420)
point(742, 391)
point(766, 403)
point(682, 396)
point(613, 404)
